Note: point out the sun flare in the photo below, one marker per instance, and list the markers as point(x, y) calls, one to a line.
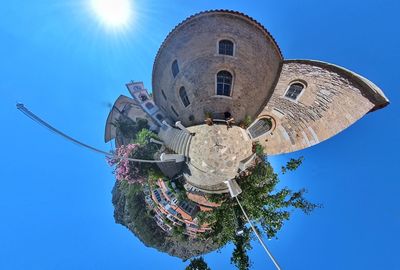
point(112, 13)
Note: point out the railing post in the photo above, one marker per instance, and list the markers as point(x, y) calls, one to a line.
point(179, 125)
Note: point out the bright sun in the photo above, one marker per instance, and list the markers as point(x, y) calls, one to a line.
point(112, 13)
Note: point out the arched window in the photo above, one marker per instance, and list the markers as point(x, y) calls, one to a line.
point(224, 83)
point(149, 106)
point(175, 68)
point(225, 47)
point(294, 90)
point(260, 127)
point(184, 97)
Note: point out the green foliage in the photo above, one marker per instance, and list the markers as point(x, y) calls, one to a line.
point(129, 128)
point(216, 198)
point(246, 121)
point(143, 137)
point(197, 264)
point(182, 195)
point(169, 184)
point(292, 164)
point(268, 121)
point(167, 221)
point(259, 149)
point(239, 255)
point(208, 114)
point(261, 202)
point(155, 174)
point(146, 150)
point(178, 230)
point(142, 222)
point(133, 189)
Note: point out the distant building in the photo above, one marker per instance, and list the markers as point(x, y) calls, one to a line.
point(173, 212)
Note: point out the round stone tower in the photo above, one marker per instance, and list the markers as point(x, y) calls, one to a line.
point(215, 62)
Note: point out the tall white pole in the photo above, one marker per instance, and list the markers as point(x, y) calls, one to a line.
point(259, 238)
point(235, 190)
point(37, 119)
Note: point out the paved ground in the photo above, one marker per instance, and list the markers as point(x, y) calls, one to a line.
point(215, 153)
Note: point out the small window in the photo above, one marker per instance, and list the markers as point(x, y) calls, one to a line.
point(163, 94)
point(225, 47)
point(175, 68)
point(143, 98)
point(149, 106)
point(184, 97)
point(224, 83)
point(159, 117)
point(173, 110)
point(294, 90)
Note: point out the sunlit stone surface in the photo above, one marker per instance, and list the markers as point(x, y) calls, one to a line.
point(215, 153)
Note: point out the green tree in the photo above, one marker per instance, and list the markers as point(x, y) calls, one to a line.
point(197, 264)
point(129, 128)
point(242, 243)
point(239, 255)
point(292, 164)
point(144, 135)
point(262, 202)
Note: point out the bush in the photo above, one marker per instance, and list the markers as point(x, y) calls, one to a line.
point(129, 128)
point(143, 137)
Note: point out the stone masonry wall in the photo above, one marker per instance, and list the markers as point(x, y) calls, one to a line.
point(329, 103)
point(254, 66)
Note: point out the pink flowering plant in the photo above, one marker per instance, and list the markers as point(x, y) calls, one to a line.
point(125, 169)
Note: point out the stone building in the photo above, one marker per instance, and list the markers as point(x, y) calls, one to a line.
point(223, 64)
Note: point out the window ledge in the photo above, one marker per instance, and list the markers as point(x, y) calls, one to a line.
point(221, 96)
point(226, 55)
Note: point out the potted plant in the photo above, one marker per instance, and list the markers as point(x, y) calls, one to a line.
point(208, 120)
point(246, 122)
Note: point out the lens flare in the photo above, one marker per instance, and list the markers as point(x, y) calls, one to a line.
point(112, 13)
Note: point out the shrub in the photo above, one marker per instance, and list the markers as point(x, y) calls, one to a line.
point(143, 137)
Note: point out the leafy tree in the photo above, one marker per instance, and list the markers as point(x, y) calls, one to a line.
point(258, 149)
point(197, 264)
point(239, 255)
point(262, 202)
point(144, 135)
point(129, 128)
point(242, 243)
point(142, 222)
point(292, 164)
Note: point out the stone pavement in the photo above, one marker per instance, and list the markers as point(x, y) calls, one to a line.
point(215, 153)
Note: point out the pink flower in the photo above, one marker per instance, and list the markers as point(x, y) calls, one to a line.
point(124, 169)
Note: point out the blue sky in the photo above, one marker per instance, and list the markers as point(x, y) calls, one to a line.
point(55, 198)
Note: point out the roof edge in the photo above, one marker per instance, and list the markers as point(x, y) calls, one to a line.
point(107, 131)
point(376, 94)
point(267, 33)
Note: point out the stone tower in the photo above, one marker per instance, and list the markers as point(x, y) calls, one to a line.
point(223, 64)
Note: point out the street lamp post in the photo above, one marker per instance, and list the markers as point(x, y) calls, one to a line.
point(234, 191)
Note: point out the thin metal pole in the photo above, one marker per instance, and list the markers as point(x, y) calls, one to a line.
point(258, 236)
point(37, 119)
